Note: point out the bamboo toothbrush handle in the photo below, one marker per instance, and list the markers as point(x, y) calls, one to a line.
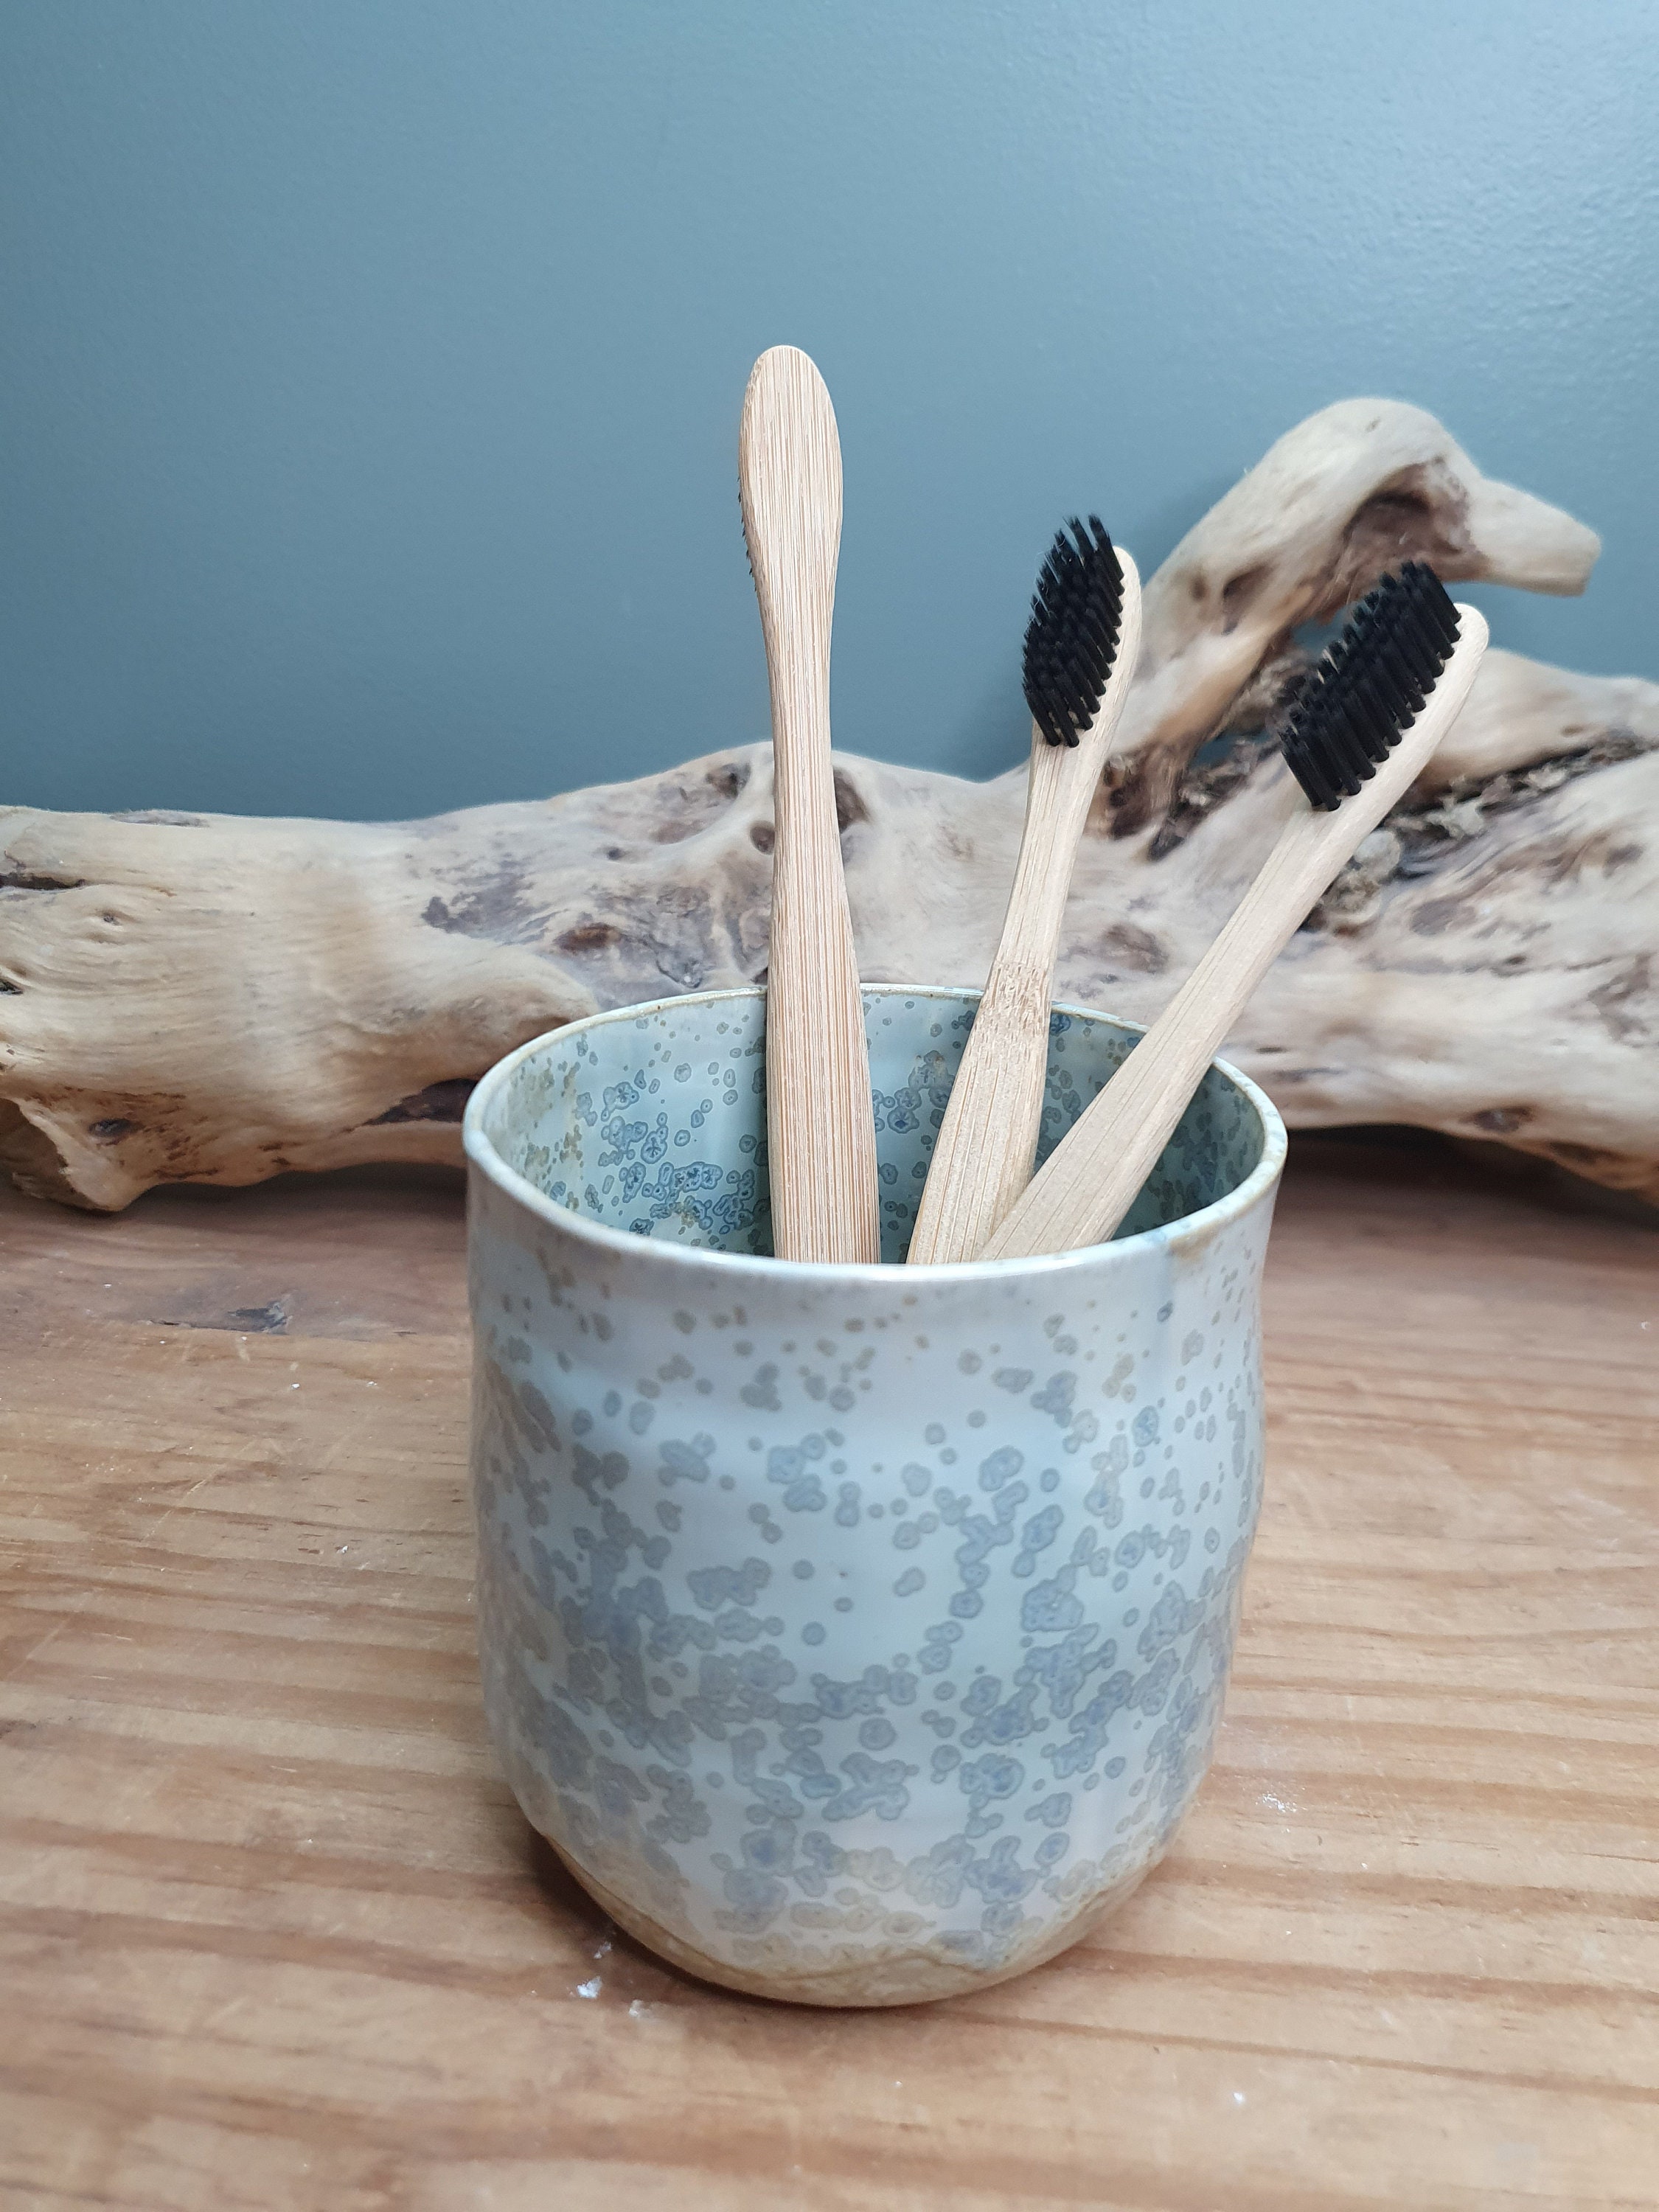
point(821, 1143)
point(987, 1141)
point(1094, 1174)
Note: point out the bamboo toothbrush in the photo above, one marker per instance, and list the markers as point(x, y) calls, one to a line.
point(820, 1128)
point(1363, 726)
point(1081, 647)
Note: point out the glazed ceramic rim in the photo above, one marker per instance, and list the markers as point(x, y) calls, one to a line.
point(1120, 1251)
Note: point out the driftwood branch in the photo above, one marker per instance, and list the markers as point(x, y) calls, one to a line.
point(216, 999)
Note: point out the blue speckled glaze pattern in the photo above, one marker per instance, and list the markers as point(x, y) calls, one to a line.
point(859, 1634)
point(655, 1121)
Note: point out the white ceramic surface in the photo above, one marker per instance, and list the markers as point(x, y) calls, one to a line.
point(855, 1634)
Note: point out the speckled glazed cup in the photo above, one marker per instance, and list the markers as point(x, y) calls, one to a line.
point(858, 1634)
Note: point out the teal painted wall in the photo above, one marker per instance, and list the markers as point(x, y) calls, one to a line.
point(370, 370)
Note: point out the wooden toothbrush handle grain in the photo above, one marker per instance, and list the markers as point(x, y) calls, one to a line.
point(820, 1128)
point(987, 1141)
point(820, 1122)
point(1087, 1187)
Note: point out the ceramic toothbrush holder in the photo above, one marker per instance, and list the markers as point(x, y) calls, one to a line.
point(855, 1634)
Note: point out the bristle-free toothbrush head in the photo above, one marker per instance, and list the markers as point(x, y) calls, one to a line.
point(820, 1125)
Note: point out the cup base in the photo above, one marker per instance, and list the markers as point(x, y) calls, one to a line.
point(898, 1977)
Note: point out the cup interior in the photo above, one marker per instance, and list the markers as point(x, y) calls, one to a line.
point(652, 1119)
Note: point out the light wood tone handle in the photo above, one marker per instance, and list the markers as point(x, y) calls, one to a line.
point(820, 1128)
point(987, 1141)
point(1093, 1176)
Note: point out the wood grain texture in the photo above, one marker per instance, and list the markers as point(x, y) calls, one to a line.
point(273, 1935)
point(200, 999)
point(1090, 1180)
point(988, 1144)
point(821, 1146)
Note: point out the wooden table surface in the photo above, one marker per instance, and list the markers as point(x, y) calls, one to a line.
point(273, 1933)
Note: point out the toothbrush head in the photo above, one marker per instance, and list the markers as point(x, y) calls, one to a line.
point(1369, 686)
point(1071, 641)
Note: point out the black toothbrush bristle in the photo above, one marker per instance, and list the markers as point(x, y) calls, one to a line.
point(1071, 640)
point(1366, 689)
